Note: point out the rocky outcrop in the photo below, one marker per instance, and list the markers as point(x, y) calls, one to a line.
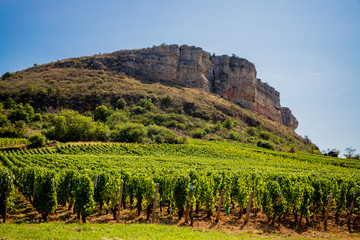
point(287, 118)
point(233, 78)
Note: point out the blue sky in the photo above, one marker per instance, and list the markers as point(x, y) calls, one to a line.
point(308, 50)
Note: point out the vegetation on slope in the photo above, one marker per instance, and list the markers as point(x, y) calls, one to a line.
point(112, 102)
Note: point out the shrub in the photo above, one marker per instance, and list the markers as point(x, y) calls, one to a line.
point(70, 125)
point(9, 103)
point(6, 75)
point(138, 110)
point(116, 118)
point(161, 134)
point(37, 117)
point(22, 113)
point(199, 133)
point(166, 101)
point(130, 132)
point(264, 135)
point(264, 144)
point(228, 124)
point(251, 131)
point(146, 104)
point(101, 113)
point(120, 104)
point(234, 136)
point(38, 140)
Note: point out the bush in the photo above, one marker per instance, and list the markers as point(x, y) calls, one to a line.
point(38, 140)
point(264, 135)
point(101, 113)
point(138, 110)
point(22, 113)
point(199, 133)
point(228, 124)
point(130, 132)
point(146, 104)
point(234, 136)
point(166, 101)
point(6, 75)
point(264, 144)
point(116, 118)
point(161, 134)
point(9, 103)
point(37, 117)
point(251, 131)
point(121, 104)
point(72, 126)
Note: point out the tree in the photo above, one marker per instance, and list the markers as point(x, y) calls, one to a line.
point(101, 113)
point(37, 140)
point(349, 152)
point(120, 104)
point(9, 103)
point(332, 152)
point(6, 75)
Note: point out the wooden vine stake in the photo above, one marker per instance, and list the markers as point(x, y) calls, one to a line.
point(155, 202)
point(187, 213)
point(248, 208)
point(220, 204)
point(6, 197)
point(349, 217)
point(327, 211)
point(120, 201)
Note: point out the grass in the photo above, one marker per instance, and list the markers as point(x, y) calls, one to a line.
point(132, 231)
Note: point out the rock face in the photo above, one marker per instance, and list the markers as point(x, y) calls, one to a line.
point(232, 78)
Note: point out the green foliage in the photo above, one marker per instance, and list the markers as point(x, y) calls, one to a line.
point(101, 113)
point(166, 101)
point(130, 132)
point(228, 123)
point(5, 177)
point(265, 144)
point(37, 117)
point(251, 131)
point(116, 118)
point(72, 126)
point(6, 75)
point(211, 166)
point(45, 193)
point(84, 201)
point(22, 113)
point(138, 110)
point(234, 136)
point(9, 103)
point(181, 187)
point(120, 104)
point(199, 133)
point(146, 104)
point(161, 134)
point(264, 135)
point(38, 140)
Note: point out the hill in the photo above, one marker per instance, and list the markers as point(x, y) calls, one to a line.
point(85, 83)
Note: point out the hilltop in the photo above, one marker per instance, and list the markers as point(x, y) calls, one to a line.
point(180, 80)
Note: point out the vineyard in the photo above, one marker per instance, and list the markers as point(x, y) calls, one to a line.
point(209, 178)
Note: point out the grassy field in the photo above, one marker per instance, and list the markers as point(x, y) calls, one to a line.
point(139, 231)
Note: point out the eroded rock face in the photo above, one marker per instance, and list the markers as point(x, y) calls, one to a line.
point(231, 77)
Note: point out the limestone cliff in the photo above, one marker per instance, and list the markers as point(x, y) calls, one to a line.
point(230, 77)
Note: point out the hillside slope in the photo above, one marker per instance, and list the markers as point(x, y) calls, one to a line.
point(82, 85)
